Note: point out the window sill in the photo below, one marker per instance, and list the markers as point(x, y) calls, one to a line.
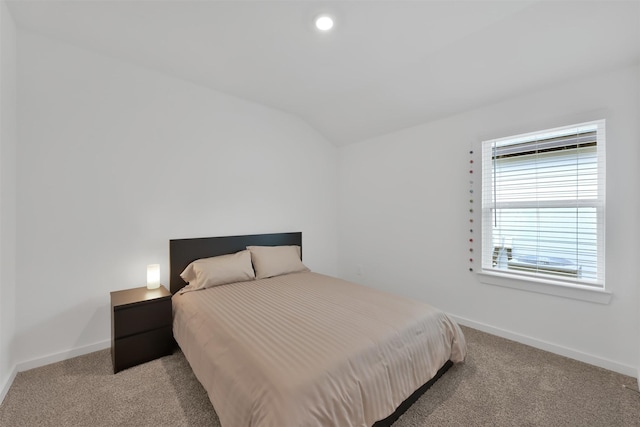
point(578, 292)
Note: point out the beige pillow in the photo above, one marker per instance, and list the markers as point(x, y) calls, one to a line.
point(269, 261)
point(220, 270)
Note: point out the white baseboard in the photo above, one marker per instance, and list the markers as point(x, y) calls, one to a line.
point(52, 358)
point(63, 355)
point(7, 384)
point(611, 365)
point(543, 345)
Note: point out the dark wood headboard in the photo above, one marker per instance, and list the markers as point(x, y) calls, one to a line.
point(184, 251)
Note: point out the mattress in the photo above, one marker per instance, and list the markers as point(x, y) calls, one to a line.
point(306, 349)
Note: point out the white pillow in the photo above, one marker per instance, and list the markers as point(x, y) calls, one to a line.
point(269, 261)
point(220, 270)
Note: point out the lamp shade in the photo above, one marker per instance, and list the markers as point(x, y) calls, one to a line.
point(153, 276)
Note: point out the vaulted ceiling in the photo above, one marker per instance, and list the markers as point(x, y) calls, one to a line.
point(385, 66)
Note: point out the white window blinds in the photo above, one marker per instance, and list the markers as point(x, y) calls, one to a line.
point(543, 204)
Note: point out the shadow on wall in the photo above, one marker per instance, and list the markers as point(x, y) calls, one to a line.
point(59, 341)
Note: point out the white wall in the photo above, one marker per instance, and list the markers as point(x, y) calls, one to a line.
point(8, 140)
point(114, 160)
point(404, 201)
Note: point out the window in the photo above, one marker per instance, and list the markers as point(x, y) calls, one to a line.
point(543, 205)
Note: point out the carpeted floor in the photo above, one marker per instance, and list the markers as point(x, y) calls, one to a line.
point(502, 383)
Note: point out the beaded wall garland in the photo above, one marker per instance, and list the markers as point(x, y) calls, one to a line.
point(472, 226)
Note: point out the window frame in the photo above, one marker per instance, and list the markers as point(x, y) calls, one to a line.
point(591, 290)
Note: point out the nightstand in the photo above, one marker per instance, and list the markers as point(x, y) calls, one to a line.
point(141, 326)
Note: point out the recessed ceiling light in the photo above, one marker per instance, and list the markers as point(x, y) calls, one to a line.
point(324, 22)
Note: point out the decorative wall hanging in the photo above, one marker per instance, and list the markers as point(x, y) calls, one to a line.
point(472, 207)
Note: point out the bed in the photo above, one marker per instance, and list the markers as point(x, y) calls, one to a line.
point(302, 348)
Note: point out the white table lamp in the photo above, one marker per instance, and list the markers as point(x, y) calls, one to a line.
point(153, 276)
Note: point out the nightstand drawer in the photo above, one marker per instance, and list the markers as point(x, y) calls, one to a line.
point(142, 348)
point(136, 318)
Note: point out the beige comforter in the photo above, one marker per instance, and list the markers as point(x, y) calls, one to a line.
point(306, 349)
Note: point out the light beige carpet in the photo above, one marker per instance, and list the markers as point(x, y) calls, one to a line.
point(501, 383)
